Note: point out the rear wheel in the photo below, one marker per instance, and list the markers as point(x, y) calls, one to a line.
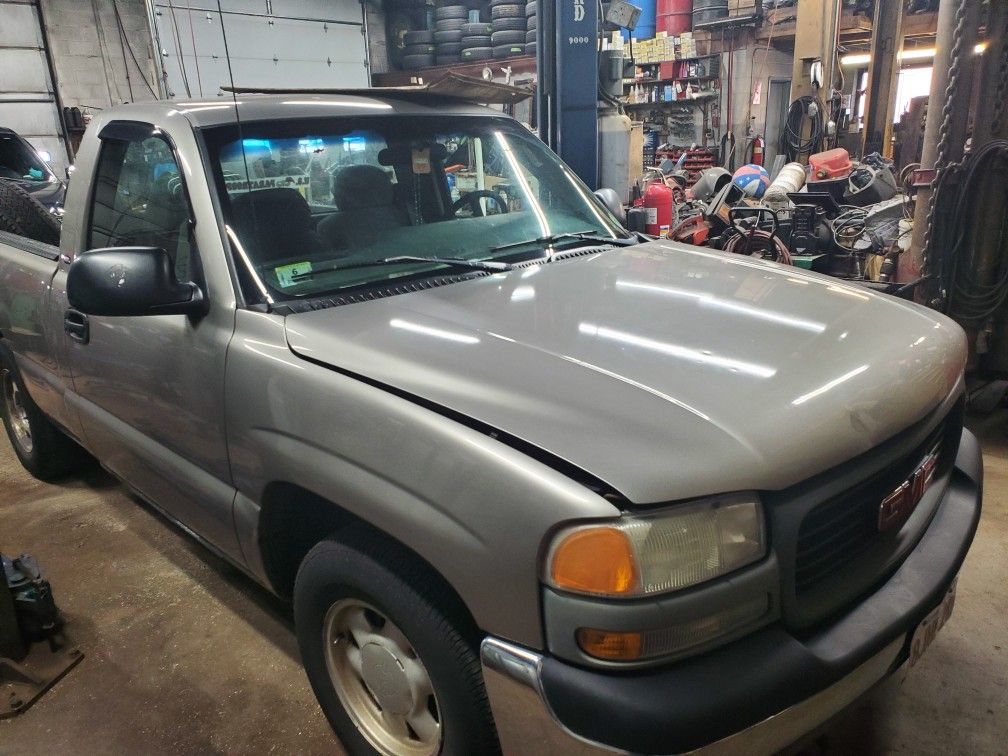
point(41, 447)
point(392, 662)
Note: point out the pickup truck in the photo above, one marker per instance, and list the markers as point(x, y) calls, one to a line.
point(532, 483)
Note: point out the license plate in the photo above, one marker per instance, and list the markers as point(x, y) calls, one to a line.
point(929, 627)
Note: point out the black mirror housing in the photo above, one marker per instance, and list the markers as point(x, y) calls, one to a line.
point(130, 281)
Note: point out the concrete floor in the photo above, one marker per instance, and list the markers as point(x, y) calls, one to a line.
point(186, 655)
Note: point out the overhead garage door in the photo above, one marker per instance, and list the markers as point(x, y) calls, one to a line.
point(27, 102)
point(272, 43)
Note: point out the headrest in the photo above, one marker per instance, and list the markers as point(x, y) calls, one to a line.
point(359, 186)
point(287, 207)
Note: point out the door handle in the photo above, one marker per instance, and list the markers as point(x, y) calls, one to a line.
point(77, 327)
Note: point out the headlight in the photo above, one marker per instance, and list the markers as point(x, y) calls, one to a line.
point(643, 555)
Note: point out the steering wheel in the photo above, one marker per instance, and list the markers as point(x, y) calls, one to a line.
point(472, 200)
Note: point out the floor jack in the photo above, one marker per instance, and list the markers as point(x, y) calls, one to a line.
point(34, 651)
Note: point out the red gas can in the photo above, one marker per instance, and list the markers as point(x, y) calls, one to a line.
point(832, 164)
point(658, 205)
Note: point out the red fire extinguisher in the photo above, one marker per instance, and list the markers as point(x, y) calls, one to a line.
point(658, 207)
point(757, 150)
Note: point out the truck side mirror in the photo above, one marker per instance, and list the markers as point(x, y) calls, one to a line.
point(130, 281)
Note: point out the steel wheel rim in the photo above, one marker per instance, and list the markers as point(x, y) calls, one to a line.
point(380, 680)
point(17, 414)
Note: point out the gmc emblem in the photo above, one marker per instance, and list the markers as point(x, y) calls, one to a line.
point(900, 503)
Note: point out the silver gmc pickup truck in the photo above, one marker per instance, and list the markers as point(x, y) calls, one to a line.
point(532, 483)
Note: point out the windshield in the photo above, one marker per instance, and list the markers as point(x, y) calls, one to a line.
point(308, 205)
point(19, 161)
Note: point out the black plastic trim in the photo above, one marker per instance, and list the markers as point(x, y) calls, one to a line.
point(696, 702)
point(31, 246)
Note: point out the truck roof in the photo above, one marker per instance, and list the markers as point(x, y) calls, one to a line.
point(259, 107)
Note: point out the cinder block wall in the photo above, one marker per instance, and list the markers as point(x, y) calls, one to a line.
point(91, 55)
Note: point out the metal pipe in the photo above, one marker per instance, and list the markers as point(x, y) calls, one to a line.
point(912, 263)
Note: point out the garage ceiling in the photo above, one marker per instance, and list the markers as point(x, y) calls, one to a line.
point(272, 43)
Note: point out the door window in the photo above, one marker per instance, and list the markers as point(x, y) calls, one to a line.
point(139, 200)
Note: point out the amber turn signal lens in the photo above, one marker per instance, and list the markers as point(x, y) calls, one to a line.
point(610, 646)
point(595, 560)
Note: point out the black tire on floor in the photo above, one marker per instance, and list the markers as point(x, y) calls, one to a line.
point(413, 62)
point(451, 11)
point(455, 35)
point(507, 11)
point(481, 29)
point(507, 38)
point(477, 53)
point(508, 51)
point(47, 453)
point(361, 565)
point(510, 24)
point(22, 214)
point(413, 50)
point(424, 37)
point(470, 42)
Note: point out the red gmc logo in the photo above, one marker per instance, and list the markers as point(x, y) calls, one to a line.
point(898, 505)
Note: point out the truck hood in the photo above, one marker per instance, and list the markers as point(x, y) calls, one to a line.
point(668, 371)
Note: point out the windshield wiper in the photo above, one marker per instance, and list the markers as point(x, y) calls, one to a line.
point(458, 262)
point(548, 241)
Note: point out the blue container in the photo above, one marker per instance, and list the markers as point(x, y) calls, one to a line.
point(646, 23)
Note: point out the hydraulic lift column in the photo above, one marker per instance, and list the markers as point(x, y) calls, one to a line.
point(567, 53)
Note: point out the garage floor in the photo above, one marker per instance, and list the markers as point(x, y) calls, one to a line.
point(186, 655)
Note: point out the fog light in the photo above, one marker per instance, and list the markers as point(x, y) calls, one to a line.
point(674, 639)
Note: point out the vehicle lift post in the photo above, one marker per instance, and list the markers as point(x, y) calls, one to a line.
point(567, 96)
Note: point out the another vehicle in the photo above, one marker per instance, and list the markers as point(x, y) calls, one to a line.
point(529, 483)
point(22, 164)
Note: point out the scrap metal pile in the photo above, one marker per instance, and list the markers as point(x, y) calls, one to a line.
point(835, 216)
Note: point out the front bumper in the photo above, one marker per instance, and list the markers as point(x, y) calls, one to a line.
point(762, 692)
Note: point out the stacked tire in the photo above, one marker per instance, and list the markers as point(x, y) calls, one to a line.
point(476, 42)
point(419, 51)
point(532, 27)
point(449, 24)
point(510, 27)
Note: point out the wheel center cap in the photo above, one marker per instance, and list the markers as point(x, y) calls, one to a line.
point(385, 676)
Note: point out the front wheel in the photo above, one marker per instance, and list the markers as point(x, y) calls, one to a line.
point(391, 662)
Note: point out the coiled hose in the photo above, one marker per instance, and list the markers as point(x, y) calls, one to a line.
point(792, 143)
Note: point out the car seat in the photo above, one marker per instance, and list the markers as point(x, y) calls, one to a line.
point(366, 199)
point(275, 225)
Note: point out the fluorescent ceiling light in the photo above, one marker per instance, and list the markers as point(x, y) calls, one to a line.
point(914, 53)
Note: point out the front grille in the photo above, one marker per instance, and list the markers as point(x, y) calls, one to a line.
point(840, 530)
point(826, 530)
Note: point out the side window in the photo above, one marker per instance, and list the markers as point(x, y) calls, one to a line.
point(139, 200)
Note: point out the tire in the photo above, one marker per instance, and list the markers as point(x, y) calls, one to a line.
point(477, 53)
point(451, 11)
point(448, 24)
point(22, 214)
point(481, 29)
point(447, 60)
point(507, 11)
point(42, 448)
point(414, 62)
point(495, 3)
point(531, 9)
point(510, 24)
point(455, 35)
point(414, 50)
point(471, 42)
point(419, 38)
point(507, 38)
point(532, 22)
point(530, 49)
point(530, 36)
point(449, 48)
point(508, 51)
point(365, 591)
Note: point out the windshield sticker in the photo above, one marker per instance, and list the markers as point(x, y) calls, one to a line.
point(421, 161)
point(236, 185)
point(287, 274)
